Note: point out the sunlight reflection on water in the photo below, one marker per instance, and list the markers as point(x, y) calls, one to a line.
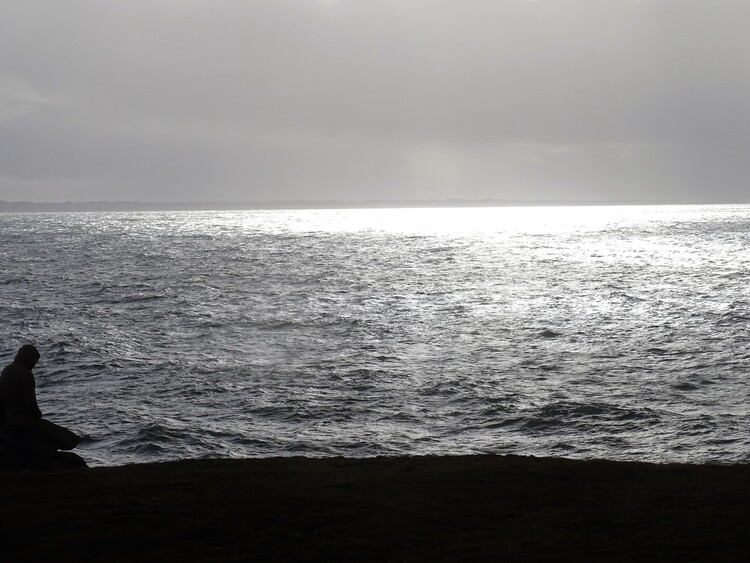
point(617, 332)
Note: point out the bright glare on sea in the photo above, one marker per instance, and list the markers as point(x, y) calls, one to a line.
point(609, 332)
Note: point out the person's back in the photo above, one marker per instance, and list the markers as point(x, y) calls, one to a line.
point(34, 441)
point(18, 390)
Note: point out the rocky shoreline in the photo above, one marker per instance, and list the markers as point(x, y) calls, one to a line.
point(464, 508)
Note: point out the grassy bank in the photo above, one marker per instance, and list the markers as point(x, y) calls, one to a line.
point(386, 509)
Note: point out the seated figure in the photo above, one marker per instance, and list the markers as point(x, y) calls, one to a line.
point(30, 441)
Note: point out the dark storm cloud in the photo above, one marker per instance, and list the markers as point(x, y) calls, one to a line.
point(355, 99)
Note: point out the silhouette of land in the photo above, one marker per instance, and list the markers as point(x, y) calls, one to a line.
point(75, 206)
point(386, 509)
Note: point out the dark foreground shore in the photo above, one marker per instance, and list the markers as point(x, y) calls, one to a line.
point(476, 508)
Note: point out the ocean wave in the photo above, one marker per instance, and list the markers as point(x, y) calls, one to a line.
point(272, 334)
point(566, 414)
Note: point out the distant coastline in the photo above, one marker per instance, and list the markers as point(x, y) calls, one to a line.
point(83, 206)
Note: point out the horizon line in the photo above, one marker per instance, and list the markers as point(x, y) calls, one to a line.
point(230, 205)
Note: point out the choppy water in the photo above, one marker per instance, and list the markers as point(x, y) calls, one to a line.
point(614, 332)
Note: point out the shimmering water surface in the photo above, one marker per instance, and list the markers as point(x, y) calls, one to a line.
point(614, 332)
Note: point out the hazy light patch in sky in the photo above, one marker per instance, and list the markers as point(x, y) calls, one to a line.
point(17, 99)
point(374, 99)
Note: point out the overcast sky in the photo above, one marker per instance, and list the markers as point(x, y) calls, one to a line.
point(209, 100)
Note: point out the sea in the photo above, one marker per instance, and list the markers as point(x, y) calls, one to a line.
point(613, 332)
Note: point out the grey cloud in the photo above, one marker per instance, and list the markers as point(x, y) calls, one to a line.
point(17, 99)
point(353, 99)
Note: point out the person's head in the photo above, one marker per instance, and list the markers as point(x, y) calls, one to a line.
point(27, 356)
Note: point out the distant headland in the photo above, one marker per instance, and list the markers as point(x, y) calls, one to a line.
point(77, 206)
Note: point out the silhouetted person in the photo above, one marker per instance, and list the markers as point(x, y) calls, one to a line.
point(34, 440)
point(18, 395)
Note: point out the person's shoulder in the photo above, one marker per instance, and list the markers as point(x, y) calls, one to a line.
point(14, 371)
